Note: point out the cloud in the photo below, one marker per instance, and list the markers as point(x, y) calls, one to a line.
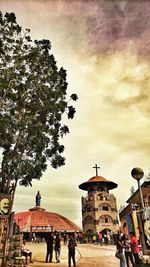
point(105, 47)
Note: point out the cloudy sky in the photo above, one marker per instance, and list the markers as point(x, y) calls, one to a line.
point(105, 48)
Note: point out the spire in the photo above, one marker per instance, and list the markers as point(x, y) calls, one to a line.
point(96, 167)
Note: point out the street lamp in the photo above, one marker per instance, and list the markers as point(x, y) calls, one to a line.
point(137, 173)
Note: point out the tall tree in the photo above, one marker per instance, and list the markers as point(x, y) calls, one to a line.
point(32, 102)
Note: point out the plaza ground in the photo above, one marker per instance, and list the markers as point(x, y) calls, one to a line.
point(87, 255)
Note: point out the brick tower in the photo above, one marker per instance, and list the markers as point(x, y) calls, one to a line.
point(99, 210)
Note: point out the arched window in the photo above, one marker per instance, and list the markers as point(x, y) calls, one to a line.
point(88, 220)
point(105, 219)
point(100, 196)
point(89, 231)
point(105, 207)
point(88, 208)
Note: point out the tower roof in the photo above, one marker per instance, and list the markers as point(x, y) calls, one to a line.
point(97, 180)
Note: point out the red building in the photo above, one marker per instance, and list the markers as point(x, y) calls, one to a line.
point(39, 221)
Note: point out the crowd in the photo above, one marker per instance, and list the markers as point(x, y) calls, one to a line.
point(53, 241)
point(128, 250)
point(96, 238)
point(127, 247)
point(102, 238)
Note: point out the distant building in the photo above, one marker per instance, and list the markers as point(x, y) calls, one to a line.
point(129, 215)
point(99, 210)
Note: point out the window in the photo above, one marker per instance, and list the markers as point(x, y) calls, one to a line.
point(88, 220)
point(105, 219)
point(88, 208)
point(105, 208)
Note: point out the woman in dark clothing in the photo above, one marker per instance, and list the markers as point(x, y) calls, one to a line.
point(71, 250)
point(49, 241)
point(120, 251)
point(57, 248)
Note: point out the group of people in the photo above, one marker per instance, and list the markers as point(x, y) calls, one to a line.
point(54, 244)
point(128, 250)
point(100, 238)
point(79, 237)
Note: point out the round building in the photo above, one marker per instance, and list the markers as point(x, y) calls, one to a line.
point(38, 222)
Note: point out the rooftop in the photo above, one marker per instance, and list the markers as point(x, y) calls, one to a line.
point(42, 221)
point(98, 180)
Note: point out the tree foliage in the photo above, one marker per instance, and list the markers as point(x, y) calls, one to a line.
point(33, 95)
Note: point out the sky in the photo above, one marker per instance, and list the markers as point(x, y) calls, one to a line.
point(105, 48)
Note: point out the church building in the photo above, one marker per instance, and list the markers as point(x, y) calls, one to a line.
point(99, 210)
point(38, 222)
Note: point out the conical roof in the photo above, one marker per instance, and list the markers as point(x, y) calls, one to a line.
point(41, 220)
point(97, 180)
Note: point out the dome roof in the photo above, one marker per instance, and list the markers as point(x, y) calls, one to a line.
point(97, 180)
point(40, 220)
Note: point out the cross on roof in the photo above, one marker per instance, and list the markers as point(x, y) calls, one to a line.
point(96, 167)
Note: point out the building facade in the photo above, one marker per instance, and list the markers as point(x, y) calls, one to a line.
point(99, 209)
point(134, 219)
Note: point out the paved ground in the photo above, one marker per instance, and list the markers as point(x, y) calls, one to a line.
point(87, 255)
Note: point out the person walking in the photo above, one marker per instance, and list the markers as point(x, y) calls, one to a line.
point(100, 237)
point(65, 238)
point(71, 250)
point(94, 238)
point(57, 247)
point(120, 252)
point(128, 252)
point(49, 241)
point(135, 248)
point(106, 239)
